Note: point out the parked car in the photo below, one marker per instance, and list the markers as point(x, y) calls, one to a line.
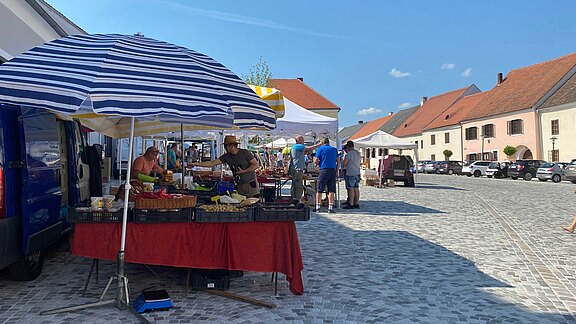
point(552, 171)
point(525, 169)
point(432, 167)
point(475, 168)
point(398, 168)
point(422, 164)
point(450, 167)
point(497, 170)
point(570, 171)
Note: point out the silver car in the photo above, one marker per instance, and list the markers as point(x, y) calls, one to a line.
point(570, 171)
point(432, 167)
point(552, 171)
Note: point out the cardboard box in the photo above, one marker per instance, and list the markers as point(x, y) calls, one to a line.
point(106, 169)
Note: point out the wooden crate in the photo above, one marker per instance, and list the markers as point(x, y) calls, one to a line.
point(181, 202)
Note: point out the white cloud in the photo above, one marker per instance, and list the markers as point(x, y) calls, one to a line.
point(404, 105)
point(369, 111)
point(398, 74)
point(448, 66)
point(467, 73)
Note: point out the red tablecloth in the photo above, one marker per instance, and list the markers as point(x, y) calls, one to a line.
point(255, 246)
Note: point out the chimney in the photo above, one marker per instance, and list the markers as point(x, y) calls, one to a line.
point(499, 78)
point(360, 122)
point(423, 100)
point(390, 113)
point(301, 79)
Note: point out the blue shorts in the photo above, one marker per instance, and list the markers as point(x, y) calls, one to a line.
point(352, 181)
point(326, 178)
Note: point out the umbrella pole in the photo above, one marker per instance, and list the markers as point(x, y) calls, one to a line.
point(122, 280)
point(182, 148)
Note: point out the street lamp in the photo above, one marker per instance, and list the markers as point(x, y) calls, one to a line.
point(553, 139)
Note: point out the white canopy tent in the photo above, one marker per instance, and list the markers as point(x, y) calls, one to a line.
point(380, 139)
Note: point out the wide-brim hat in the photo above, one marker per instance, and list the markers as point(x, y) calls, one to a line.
point(230, 139)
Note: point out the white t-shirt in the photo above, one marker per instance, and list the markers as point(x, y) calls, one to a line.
point(279, 156)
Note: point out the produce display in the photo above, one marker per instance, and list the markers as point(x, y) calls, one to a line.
point(221, 208)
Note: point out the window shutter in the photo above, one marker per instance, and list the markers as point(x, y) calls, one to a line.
point(509, 124)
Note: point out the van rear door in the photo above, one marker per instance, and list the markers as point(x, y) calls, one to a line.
point(42, 196)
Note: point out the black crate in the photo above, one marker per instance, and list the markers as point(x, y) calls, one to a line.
point(281, 213)
point(210, 279)
point(224, 217)
point(100, 216)
point(163, 215)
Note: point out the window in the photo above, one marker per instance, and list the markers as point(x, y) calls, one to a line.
point(555, 128)
point(433, 157)
point(472, 157)
point(494, 155)
point(380, 152)
point(432, 139)
point(373, 151)
point(471, 133)
point(446, 137)
point(422, 144)
point(486, 156)
point(488, 130)
point(515, 127)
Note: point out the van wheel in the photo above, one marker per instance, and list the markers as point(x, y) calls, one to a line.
point(450, 172)
point(528, 176)
point(28, 268)
point(556, 178)
point(477, 173)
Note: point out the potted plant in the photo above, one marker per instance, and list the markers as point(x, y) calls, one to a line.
point(509, 151)
point(447, 154)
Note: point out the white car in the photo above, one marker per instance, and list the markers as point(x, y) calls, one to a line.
point(497, 169)
point(476, 168)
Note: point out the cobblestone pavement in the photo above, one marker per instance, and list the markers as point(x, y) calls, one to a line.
point(453, 249)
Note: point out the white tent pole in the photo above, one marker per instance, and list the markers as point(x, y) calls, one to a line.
point(338, 146)
point(121, 141)
point(120, 258)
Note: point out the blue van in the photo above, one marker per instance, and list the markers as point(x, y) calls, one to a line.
point(42, 172)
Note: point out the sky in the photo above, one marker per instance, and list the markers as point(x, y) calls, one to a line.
point(368, 57)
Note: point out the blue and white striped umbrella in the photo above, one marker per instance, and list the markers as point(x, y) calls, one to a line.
point(131, 76)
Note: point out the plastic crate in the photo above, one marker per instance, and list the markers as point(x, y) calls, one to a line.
point(202, 196)
point(163, 216)
point(203, 216)
point(210, 279)
point(281, 213)
point(100, 216)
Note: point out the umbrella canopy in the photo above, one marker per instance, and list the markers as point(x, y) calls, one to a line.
point(384, 140)
point(273, 97)
point(131, 76)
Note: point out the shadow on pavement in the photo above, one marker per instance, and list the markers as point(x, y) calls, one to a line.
point(390, 208)
point(404, 277)
point(423, 185)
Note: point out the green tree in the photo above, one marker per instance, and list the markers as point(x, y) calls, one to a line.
point(509, 150)
point(259, 75)
point(447, 154)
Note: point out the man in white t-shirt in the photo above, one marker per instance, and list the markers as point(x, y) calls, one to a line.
point(279, 159)
point(352, 165)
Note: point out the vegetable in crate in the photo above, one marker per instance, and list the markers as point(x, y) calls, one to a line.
point(222, 208)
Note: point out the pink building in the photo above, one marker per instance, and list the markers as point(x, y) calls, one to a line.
point(507, 114)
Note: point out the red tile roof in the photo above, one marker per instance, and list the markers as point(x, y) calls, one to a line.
point(523, 88)
point(370, 128)
point(458, 111)
point(431, 109)
point(302, 94)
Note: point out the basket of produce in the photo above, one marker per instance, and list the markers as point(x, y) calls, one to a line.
point(161, 199)
point(202, 174)
point(280, 212)
point(82, 214)
point(224, 213)
point(163, 215)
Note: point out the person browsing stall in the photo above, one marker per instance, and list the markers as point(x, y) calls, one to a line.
point(298, 166)
point(352, 166)
point(172, 158)
point(328, 160)
point(146, 163)
point(241, 162)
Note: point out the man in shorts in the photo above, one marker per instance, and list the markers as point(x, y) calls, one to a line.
point(352, 178)
point(328, 160)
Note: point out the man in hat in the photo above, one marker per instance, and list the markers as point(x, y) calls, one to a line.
point(241, 162)
point(298, 166)
point(328, 160)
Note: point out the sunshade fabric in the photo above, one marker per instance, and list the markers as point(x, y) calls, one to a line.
point(131, 76)
point(272, 96)
point(384, 140)
point(299, 120)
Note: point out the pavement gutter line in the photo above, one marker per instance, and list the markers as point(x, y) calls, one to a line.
point(531, 256)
